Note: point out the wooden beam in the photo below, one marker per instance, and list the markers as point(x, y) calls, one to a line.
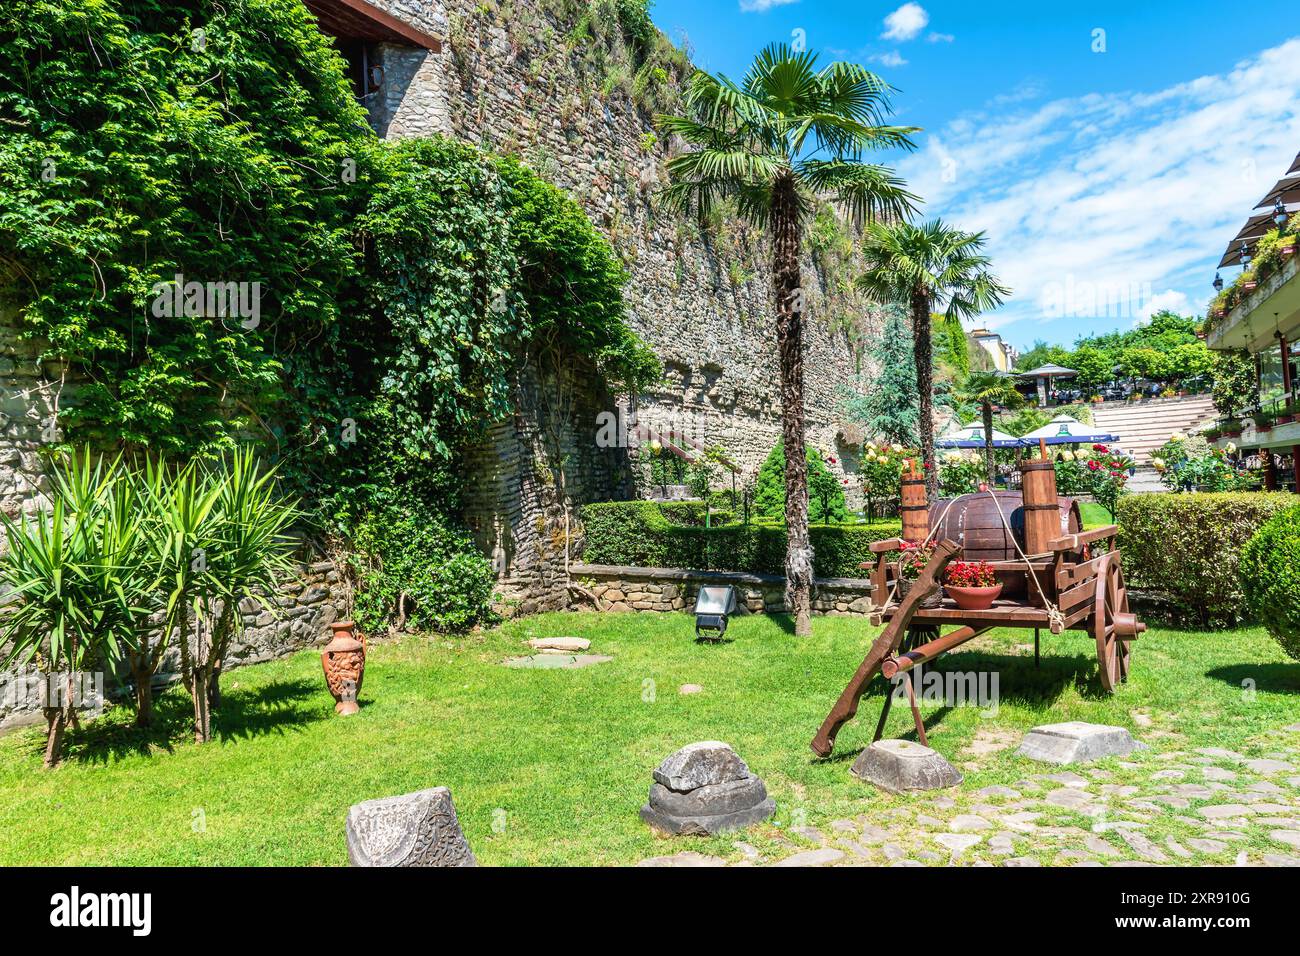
point(357, 19)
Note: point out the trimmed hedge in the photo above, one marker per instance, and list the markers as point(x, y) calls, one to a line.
point(1188, 547)
point(637, 533)
point(1270, 574)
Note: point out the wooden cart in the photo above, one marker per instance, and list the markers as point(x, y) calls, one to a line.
point(1061, 578)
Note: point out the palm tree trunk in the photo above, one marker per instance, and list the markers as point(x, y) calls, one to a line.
point(989, 469)
point(786, 282)
point(921, 351)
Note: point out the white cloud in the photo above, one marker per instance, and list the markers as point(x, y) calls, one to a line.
point(1110, 197)
point(941, 38)
point(1170, 299)
point(892, 58)
point(761, 6)
point(905, 23)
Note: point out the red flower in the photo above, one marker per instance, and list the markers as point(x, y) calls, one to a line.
point(1094, 465)
point(971, 574)
point(1099, 448)
point(831, 459)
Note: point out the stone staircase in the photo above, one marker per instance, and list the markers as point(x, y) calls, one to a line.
point(1144, 426)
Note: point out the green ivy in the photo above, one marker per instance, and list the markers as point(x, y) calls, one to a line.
point(417, 570)
point(145, 140)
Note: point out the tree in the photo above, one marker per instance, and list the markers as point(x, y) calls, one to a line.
point(1234, 382)
point(987, 389)
point(920, 266)
point(888, 409)
point(1040, 353)
point(1095, 367)
point(788, 134)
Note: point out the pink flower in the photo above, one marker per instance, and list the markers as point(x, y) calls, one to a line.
point(1093, 465)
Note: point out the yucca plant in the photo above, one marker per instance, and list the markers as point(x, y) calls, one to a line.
point(218, 535)
point(254, 552)
point(76, 589)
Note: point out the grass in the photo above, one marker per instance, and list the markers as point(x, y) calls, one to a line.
point(550, 767)
point(1094, 515)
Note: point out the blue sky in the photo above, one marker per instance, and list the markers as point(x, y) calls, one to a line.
point(1109, 150)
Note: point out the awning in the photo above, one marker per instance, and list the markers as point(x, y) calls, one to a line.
point(972, 436)
point(1064, 430)
point(1048, 371)
point(1254, 230)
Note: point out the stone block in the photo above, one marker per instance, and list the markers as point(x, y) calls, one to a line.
point(705, 788)
point(900, 766)
point(699, 765)
point(671, 825)
point(414, 829)
point(1076, 742)
point(570, 644)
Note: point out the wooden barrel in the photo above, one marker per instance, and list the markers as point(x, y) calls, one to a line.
point(912, 509)
point(1041, 504)
point(973, 522)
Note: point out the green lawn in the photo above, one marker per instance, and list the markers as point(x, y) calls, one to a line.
point(560, 760)
point(1094, 515)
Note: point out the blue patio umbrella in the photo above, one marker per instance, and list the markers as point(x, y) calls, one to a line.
point(1064, 430)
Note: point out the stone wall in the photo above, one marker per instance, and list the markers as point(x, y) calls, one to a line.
point(607, 587)
point(511, 83)
point(700, 296)
point(30, 396)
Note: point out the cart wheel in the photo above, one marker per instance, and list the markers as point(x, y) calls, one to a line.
point(1113, 625)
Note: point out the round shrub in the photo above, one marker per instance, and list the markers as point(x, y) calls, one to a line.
point(1270, 578)
point(769, 490)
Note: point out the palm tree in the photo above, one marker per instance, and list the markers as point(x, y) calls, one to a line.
point(987, 389)
point(787, 135)
point(921, 266)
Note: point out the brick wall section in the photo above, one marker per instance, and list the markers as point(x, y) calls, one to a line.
point(619, 588)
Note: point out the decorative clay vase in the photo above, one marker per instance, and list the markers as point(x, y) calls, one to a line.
point(344, 661)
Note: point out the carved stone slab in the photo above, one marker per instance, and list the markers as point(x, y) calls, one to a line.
point(900, 765)
point(1076, 742)
point(414, 829)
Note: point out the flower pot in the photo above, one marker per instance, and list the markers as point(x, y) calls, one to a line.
point(974, 599)
point(933, 601)
point(344, 662)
